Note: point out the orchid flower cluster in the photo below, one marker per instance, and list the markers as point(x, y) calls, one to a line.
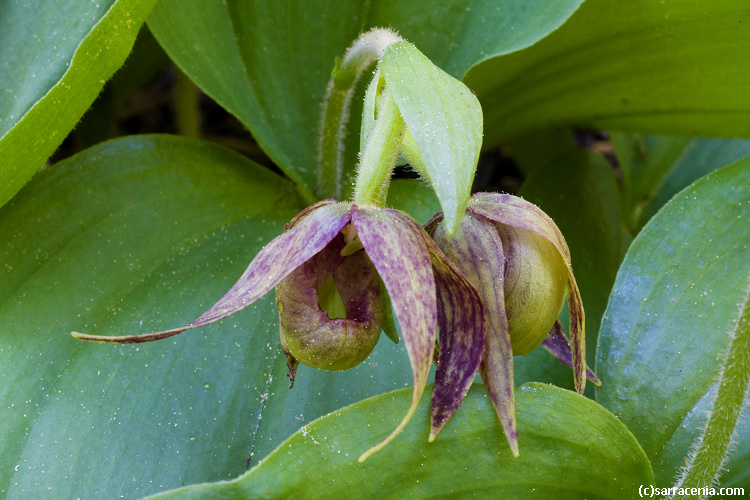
point(484, 280)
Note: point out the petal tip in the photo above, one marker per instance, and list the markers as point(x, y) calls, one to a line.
point(513, 442)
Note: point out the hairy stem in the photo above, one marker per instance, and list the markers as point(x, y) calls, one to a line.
point(704, 466)
point(368, 48)
point(379, 157)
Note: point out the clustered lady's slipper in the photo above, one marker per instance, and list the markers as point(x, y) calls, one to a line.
point(427, 292)
point(518, 259)
point(338, 268)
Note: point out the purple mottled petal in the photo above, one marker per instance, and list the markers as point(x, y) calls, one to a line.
point(477, 250)
point(463, 330)
point(280, 257)
point(433, 222)
point(557, 344)
point(395, 245)
point(517, 212)
point(304, 213)
point(276, 260)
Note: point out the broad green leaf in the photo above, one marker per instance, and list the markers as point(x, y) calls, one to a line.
point(655, 168)
point(671, 313)
point(105, 118)
point(705, 463)
point(444, 120)
point(138, 235)
point(577, 189)
point(642, 66)
point(268, 63)
point(55, 59)
point(570, 448)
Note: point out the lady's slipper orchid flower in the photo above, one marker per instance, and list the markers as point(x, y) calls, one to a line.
point(427, 292)
point(520, 263)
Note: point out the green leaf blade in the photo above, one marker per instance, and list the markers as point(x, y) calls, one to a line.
point(670, 312)
point(569, 446)
point(636, 66)
point(269, 63)
point(142, 234)
point(53, 68)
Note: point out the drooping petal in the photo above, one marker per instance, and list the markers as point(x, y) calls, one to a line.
point(274, 262)
point(557, 344)
point(517, 212)
point(477, 250)
point(463, 330)
point(395, 245)
point(307, 211)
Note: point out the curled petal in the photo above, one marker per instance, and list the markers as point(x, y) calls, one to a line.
point(557, 344)
point(517, 212)
point(272, 264)
point(395, 245)
point(462, 324)
point(476, 240)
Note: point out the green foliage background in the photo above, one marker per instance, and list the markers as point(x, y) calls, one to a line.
point(145, 232)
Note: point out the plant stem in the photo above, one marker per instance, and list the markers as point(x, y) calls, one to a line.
point(379, 157)
point(711, 452)
point(368, 48)
point(186, 106)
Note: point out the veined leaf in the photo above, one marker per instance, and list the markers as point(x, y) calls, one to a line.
point(655, 168)
point(671, 313)
point(641, 66)
point(137, 235)
point(53, 67)
point(570, 448)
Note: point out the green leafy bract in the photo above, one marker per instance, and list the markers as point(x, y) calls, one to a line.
point(444, 120)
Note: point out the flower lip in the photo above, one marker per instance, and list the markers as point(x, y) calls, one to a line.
point(517, 212)
point(308, 334)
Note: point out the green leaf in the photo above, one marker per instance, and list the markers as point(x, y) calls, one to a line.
point(570, 447)
point(415, 198)
point(268, 63)
point(55, 60)
point(444, 120)
point(643, 66)
point(655, 168)
point(705, 465)
point(671, 314)
point(577, 188)
point(138, 235)
point(105, 118)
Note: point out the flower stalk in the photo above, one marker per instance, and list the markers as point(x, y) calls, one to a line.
point(368, 48)
point(380, 153)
